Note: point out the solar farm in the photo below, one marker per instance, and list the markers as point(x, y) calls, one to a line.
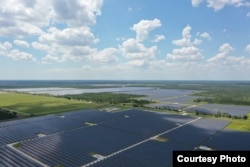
point(183, 100)
point(98, 138)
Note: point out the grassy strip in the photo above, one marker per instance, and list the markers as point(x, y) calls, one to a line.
point(27, 104)
point(240, 125)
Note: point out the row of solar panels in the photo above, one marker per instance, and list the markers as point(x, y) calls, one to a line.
point(77, 142)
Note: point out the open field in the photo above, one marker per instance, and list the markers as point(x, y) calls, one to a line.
point(99, 138)
point(26, 104)
point(240, 125)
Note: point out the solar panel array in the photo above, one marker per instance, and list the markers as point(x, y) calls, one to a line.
point(118, 138)
point(10, 158)
point(196, 133)
point(148, 154)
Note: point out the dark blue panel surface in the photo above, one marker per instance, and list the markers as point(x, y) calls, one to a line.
point(57, 149)
point(230, 140)
point(94, 116)
point(11, 158)
point(103, 140)
point(148, 154)
point(197, 132)
point(58, 124)
point(26, 120)
point(149, 124)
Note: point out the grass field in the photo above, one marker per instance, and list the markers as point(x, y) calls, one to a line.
point(26, 104)
point(241, 125)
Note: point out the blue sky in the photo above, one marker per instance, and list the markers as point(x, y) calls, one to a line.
point(125, 39)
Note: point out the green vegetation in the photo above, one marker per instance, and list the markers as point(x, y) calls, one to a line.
point(221, 115)
point(7, 114)
point(237, 96)
point(110, 98)
point(221, 92)
point(17, 145)
point(30, 105)
point(241, 125)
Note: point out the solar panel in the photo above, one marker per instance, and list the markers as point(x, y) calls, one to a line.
point(9, 157)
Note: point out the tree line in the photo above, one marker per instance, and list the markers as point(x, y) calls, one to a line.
point(7, 114)
point(111, 98)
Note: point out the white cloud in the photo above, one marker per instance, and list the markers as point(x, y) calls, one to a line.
point(80, 36)
point(22, 43)
point(158, 38)
point(225, 48)
point(220, 4)
point(5, 46)
point(222, 54)
point(143, 28)
point(189, 50)
point(48, 58)
point(189, 53)
point(7, 50)
point(248, 48)
point(77, 12)
point(196, 3)
point(132, 49)
point(205, 35)
point(18, 55)
point(197, 41)
point(107, 55)
point(69, 57)
point(186, 37)
point(40, 46)
point(20, 18)
point(137, 63)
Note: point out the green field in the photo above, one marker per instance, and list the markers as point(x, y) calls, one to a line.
point(28, 105)
point(241, 125)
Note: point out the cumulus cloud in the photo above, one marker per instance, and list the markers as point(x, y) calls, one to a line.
point(80, 36)
point(107, 55)
point(158, 38)
point(137, 63)
point(188, 50)
point(4, 47)
point(132, 49)
point(22, 43)
point(76, 13)
point(196, 3)
point(40, 46)
point(248, 48)
point(222, 53)
point(220, 4)
point(20, 18)
point(48, 58)
point(186, 37)
point(205, 35)
point(7, 50)
point(189, 53)
point(143, 28)
point(18, 55)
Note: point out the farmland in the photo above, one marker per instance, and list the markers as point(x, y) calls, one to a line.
point(31, 105)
